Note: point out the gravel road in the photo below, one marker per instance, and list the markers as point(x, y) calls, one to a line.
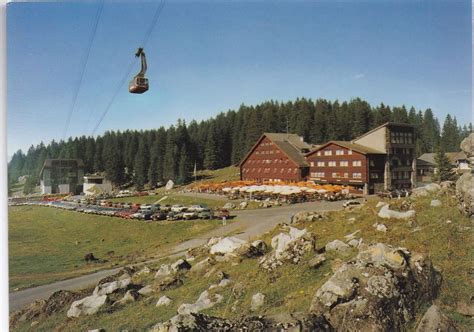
point(248, 224)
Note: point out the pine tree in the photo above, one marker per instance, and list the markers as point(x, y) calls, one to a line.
point(210, 153)
point(184, 166)
point(169, 163)
point(140, 176)
point(429, 132)
point(443, 165)
point(450, 137)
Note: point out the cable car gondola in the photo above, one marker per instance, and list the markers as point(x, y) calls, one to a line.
point(139, 84)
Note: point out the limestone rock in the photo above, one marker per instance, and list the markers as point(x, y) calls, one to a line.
point(257, 301)
point(226, 245)
point(163, 271)
point(283, 322)
point(354, 243)
point(435, 320)
point(337, 246)
point(304, 216)
point(386, 213)
point(381, 227)
point(87, 306)
point(289, 247)
point(163, 301)
point(250, 250)
point(169, 283)
point(229, 206)
point(465, 193)
point(203, 265)
point(180, 265)
point(111, 287)
point(317, 261)
point(205, 301)
point(282, 241)
point(145, 270)
point(147, 290)
point(432, 187)
point(381, 290)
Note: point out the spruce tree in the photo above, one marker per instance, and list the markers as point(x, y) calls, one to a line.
point(210, 152)
point(443, 166)
point(140, 176)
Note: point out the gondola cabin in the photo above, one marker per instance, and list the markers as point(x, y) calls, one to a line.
point(138, 85)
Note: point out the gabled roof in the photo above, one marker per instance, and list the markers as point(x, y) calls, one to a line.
point(429, 158)
point(348, 145)
point(386, 124)
point(290, 144)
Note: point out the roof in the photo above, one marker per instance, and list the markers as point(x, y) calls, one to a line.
point(386, 124)
point(349, 145)
point(48, 163)
point(429, 158)
point(291, 144)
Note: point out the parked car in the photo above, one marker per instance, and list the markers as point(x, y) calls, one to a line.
point(189, 215)
point(221, 213)
point(178, 208)
point(159, 216)
point(197, 208)
point(165, 208)
point(149, 207)
point(136, 206)
point(174, 216)
point(206, 214)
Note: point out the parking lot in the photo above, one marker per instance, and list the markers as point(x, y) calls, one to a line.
point(145, 212)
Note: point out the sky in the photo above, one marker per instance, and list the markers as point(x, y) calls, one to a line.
point(206, 57)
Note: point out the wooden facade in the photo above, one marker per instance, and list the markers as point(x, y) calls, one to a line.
point(346, 163)
point(381, 159)
point(274, 159)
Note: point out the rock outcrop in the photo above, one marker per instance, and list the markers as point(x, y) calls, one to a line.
point(226, 245)
point(386, 213)
point(381, 290)
point(87, 306)
point(435, 320)
point(288, 247)
point(200, 322)
point(465, 184)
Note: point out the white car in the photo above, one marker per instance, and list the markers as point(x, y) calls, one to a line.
point(197, 208)
point(178, 208)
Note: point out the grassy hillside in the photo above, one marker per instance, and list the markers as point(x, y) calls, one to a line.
point(231, 173)
point(47, 244)
point(449, 245)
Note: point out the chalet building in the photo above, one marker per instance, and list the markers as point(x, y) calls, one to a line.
point(426, 165)
point(340, 162)
point(275, 158)
point(381, 159)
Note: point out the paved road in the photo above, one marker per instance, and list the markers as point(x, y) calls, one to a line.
point(249, 224)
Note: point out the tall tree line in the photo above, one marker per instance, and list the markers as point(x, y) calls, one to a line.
point(142, 158)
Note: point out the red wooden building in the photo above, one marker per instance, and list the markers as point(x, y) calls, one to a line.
point(381, 159)
point(340, 162)
point(275, 158)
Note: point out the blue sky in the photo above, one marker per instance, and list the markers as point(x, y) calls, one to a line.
point(205, 57)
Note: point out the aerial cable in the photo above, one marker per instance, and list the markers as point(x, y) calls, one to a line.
point(76, 94)
point(157, 14)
